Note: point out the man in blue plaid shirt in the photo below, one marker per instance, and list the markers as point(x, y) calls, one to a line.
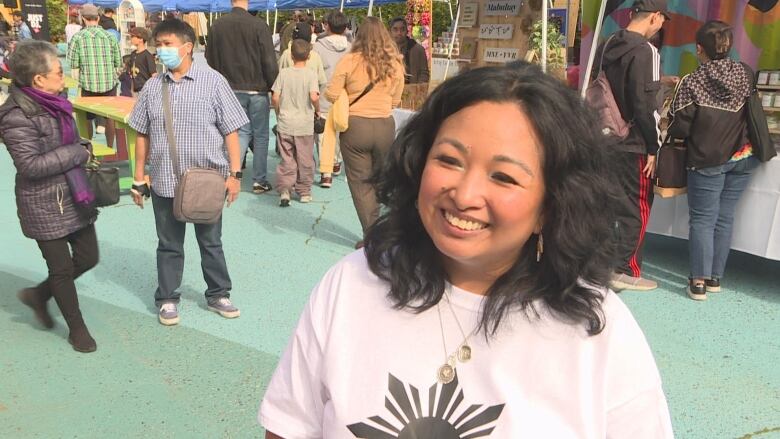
point(206, 116)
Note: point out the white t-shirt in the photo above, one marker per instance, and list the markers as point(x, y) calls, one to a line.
point(356, 367)
point(70, 30)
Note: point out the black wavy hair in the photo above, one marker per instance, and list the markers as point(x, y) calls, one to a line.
point(577, 207)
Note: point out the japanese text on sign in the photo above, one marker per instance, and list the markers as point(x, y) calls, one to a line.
point(496, 31)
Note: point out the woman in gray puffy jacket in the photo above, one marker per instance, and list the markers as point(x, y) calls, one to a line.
point(54, 201)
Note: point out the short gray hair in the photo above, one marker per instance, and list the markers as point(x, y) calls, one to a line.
point(31, 58)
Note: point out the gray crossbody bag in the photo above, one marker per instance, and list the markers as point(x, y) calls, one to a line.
point(200, 192)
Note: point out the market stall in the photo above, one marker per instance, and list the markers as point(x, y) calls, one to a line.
point(757, 221)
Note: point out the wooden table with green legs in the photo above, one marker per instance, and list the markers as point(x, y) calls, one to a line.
point(118, 109)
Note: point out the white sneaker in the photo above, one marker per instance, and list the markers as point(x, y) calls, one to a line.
point(100, 129)
point(306, 198)
point(224, 307)
point(169, 314)
point(622, 282)
point(284, 199)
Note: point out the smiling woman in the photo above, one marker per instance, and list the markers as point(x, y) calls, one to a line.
point(513, 335)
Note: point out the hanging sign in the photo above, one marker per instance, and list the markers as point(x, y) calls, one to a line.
point(499, 55)
point(496, 31)
point(502, 7)
point(468, 15)
point(35, 14)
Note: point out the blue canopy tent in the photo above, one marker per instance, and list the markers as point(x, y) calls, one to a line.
point(224, 5)
point(326, 4)
point(149, 5)
point(178, 5)
point(214, 5)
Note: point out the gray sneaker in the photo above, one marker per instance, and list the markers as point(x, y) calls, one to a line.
point(169, 314)
point(622, 281)
point(224, 307)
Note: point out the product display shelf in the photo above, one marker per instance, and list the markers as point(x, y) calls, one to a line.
point(770, 110)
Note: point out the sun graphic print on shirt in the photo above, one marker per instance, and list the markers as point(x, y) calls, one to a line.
point(437, 422)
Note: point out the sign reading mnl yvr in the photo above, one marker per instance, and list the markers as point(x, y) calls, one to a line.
point(502, 7)
point(500, 55)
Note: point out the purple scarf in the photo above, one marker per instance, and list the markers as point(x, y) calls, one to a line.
point(62, 110)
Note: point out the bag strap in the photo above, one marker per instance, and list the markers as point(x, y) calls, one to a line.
point(368, 88)
point(168, 113)
point(601, 58)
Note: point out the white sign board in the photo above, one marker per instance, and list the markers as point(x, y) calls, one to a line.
point(468, 14)
point(502, 7)
point(496, 31)
point(497, 55)
point(439, 66)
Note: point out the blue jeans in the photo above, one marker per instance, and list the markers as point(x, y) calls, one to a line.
point(713, 194)
point(170, 254)
point(257, 107)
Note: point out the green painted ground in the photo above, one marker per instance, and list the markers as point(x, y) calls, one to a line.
point(205, 378)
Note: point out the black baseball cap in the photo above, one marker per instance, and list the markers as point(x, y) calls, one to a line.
point(652, 6)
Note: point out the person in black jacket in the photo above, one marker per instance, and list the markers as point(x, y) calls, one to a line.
point(632, 66)
point(241, 49)
point(415, 59)
point(38, 129)
point(709, 112)
point(107, 19)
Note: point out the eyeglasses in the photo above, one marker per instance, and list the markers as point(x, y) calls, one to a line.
point(59, 73)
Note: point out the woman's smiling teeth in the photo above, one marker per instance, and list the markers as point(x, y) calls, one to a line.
point(462, 223)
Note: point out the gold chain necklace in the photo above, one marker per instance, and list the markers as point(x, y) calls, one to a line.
point(446, 372)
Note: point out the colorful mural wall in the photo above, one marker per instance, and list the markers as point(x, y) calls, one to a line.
point(756, 26)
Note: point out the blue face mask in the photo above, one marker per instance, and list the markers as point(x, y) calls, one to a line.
point(169, 56)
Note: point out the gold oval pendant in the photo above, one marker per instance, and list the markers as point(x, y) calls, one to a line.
point(445, 374)
point(464, 353)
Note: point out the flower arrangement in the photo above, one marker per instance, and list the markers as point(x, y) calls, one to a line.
point(419, 17)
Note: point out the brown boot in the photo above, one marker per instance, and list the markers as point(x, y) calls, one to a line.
point(31, 298)
point(81, 340)
point(79, 336)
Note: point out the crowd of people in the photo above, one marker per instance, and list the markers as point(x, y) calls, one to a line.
point(475, 239)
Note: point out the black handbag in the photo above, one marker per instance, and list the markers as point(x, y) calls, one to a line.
point(104, 183)
point(671, 175)
point(757, 128)
point(319, 124)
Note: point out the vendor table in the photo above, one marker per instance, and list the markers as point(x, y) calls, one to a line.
point(757, 221)
point(401, 117)
point(118, 109)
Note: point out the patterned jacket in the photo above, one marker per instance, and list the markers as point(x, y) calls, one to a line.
point(708, 111)
point(33, 138)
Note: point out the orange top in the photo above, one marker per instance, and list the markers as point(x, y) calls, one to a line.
point(351, 75)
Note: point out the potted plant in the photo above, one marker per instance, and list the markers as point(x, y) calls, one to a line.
point(556, 53)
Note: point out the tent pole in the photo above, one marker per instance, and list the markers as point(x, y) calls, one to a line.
point(452, 42)
point(449, 3)
point(276, 20)
point(370, 8)
point(593, 45)
point(341, 8)
point(267, 16)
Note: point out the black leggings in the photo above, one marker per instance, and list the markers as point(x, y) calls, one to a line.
point(64, 268)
